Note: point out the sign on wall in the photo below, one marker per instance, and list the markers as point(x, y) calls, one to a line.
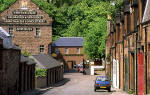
point(24, 17)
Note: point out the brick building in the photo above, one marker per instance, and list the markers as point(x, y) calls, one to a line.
point(69, 50)
point(128, 43)
point(29, 26)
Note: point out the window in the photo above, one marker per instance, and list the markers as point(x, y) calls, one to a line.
point(10, 31)
point(78, 51)
point(37, 32)
point(66, 51)
point(56, 51)
point(41, 48)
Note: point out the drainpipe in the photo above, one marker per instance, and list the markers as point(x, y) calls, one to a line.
point(146, 56)
point(123, 66)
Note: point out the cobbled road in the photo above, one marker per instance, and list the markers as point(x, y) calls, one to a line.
point(78, 84)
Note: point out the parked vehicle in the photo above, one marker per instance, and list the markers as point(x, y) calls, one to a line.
point(102, 82)
point(80, 68)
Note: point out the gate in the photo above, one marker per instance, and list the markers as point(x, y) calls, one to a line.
point(140, 74)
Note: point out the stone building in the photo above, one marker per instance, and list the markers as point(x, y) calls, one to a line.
point(128, 44)
point(69, 50)
point(29, 26)
point(9, 65)
point(54, 70)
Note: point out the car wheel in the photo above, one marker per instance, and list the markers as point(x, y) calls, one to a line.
point(95, 89)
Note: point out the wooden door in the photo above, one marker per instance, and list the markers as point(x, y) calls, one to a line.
point(126, 74)
point(140, 74)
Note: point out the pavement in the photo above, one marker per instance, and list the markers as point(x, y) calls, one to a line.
point(118, 92)
point(75, 84)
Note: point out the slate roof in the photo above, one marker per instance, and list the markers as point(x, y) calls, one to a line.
point(27, 60)
point(45, 61)
point(7, 40)
point(68, 41)
point(146, 16)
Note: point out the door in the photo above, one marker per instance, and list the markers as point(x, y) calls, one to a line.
point(133, 70)
point(126, 74)
point(140, 74)
point(114, 73)
point(69, 64)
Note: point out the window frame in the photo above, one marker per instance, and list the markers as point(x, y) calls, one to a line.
point(66, 51)
point(41, 48)
point(37, 32)
point(11, 31)
point(77, 50)
point(57, 51)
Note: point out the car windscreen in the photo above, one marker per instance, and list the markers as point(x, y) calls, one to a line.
point(102, 79)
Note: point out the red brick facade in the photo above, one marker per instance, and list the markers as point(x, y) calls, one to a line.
point(72, 57)
point(128, 44)
point(30, 27)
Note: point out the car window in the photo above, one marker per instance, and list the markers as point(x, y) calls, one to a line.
point(102, 79)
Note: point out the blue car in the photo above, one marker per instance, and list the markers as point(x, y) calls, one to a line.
point(102, 82)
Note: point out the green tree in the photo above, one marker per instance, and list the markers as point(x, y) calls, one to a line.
point(94, 44)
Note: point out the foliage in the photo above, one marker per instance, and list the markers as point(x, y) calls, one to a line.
point(40, 72)
point(26, 54)
point(148, 91)
point(130, 91)
point(5, 4)
point(95, 40)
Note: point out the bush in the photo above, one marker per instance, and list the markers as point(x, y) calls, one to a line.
point(40, 72)
point(130, 91)
point(26, 54)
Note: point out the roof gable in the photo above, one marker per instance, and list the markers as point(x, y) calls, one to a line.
point(24, 12)
point(69, 41)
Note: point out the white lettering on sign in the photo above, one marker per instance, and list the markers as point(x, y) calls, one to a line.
point(24, 17)
point(24, 29)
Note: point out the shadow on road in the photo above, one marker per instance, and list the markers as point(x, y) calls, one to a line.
point(63, 82)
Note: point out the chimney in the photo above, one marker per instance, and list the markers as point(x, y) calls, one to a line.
point(108, 24)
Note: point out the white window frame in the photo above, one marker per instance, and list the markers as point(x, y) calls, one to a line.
point(11, 31)
point(37, 32)
point(78, 50)
point(66, 51)
point(41, 48)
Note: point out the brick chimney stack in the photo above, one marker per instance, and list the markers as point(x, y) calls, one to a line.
point(108, 24)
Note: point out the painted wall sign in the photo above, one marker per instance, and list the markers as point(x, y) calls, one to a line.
point(24, 17)
point(24, 29)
